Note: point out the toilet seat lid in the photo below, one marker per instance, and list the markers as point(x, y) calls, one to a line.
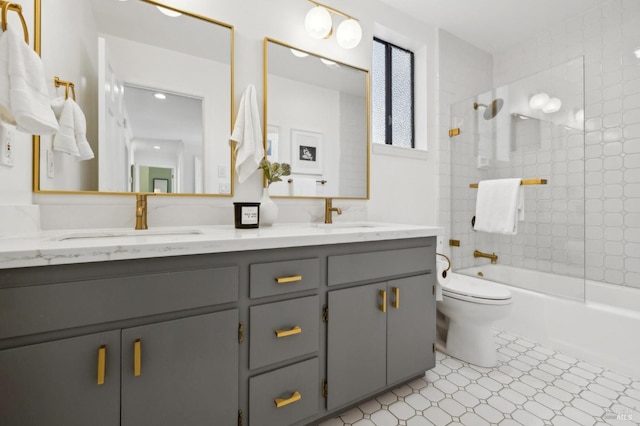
point(476, 288)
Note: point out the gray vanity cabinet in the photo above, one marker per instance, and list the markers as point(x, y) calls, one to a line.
point(379, 334)
point(74, 381)
point(411, 311)
point(286, 337)
point(356, 344)
point(111, 344)
point(181, 372)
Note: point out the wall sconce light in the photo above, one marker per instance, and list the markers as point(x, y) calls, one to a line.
point(538, 101)
point(552, 106)
point(319, 25)
point(547, 104)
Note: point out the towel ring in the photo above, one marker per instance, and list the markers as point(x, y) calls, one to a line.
point(7, 6)
point(67, 84)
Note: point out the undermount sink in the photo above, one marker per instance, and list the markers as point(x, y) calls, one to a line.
point(347, 225)
point(127, 233)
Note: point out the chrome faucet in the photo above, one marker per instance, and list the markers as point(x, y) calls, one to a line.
point(492, 256)
point(141, 211)
point(328, 209)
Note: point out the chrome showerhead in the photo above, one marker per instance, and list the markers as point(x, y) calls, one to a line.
point(491, 110)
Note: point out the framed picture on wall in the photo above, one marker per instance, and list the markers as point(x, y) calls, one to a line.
point(271, 149)
point(306, 152)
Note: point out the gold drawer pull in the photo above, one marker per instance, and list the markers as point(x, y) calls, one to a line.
point(280, 402)
point(291, 279)
point(383, 294)
point(284, 333)
point(137, 355)
point(102, 355)
point(396, 298)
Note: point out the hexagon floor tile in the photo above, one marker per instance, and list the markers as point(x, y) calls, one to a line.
point(531, 385)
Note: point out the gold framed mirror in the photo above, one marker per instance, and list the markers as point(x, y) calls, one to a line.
point(317, 119)
point(118, 57)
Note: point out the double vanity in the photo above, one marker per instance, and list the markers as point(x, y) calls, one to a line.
point(212, 325)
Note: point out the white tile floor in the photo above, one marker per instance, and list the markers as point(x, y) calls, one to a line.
point(532, 385)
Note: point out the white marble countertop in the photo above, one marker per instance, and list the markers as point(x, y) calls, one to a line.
point(99, 245)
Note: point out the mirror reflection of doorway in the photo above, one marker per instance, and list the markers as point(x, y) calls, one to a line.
point(156, 179)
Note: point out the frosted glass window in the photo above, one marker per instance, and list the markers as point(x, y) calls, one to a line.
point(392, 95)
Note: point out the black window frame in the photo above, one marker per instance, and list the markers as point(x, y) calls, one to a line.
point(389, 91)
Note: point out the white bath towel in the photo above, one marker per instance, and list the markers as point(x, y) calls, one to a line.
point(499, 206)
point(65, 139)
point(80, 129)
point(247, 133)
point(24, 98)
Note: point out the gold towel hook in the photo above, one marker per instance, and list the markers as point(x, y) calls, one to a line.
point(67, 85)
point(7, 6)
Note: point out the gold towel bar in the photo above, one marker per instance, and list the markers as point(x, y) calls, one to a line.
point(524, 182)
point(7, 6)
point(67, 84)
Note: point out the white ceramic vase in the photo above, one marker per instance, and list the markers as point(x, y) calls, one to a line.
point(268, 209)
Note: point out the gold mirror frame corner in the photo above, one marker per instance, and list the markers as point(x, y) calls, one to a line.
point(265, 79)
point(37, 46)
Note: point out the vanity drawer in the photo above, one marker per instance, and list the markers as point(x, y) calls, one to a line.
point(298, 322)
point(351, 268)
point(86, 302)
point(273, 278)
point(283, 384)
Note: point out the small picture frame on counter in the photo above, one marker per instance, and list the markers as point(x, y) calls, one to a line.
point(247, 215)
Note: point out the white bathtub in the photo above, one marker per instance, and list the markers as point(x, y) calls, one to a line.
point(602, 329)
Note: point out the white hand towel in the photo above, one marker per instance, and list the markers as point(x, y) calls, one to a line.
point(498, 206)
point(247, 132)
point(80, 127)
point(304, 186)
point(65, 139)
point(24, 98)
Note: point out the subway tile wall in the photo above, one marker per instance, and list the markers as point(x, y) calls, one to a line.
point(607, 38)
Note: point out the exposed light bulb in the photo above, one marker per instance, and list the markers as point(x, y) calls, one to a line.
point(169, 12)
point(318, 22)
point(349, 34)
point(538, 101)
point(298, 53)
point(552, 106)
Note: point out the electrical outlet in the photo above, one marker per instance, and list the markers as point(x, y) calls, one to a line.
point(223, 187)
point(6, 140)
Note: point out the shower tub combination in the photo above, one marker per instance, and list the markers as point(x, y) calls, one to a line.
point(602, 329)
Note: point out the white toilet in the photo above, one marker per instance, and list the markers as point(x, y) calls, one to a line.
point(470, 306)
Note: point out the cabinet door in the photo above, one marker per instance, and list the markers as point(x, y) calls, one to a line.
point(356, 344)
point(411, 325)
point(188, 372)
point(56, 383)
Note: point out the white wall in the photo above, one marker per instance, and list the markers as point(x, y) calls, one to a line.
point(402, 189)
